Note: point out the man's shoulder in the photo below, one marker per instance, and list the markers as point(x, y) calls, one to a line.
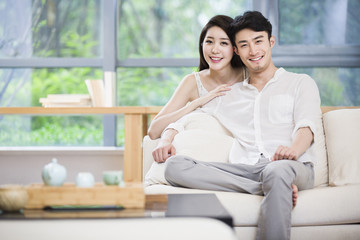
point(299, 77)
point(286, 73)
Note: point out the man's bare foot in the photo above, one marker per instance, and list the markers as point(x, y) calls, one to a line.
point(294, 194)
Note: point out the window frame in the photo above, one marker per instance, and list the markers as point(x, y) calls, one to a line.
point(283, 55)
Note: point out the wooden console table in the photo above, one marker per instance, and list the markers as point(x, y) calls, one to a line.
point(136, 122)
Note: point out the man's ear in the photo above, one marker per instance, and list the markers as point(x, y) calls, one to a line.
point(272, 41)
point(236, 50)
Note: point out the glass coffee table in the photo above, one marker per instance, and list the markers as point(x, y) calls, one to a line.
point(156, 206)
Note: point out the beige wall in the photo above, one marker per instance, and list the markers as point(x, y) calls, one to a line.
point(24, 165)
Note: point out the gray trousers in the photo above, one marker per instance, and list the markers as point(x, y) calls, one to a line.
point(271, 179)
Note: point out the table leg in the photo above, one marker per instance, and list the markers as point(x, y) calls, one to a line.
point(135, 130)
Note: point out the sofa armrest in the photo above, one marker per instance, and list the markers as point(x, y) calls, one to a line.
point(148, 146)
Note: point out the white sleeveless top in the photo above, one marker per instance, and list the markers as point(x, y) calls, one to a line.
point(201, 89)
point(210, 107)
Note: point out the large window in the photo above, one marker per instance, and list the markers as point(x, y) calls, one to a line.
point(52, 46)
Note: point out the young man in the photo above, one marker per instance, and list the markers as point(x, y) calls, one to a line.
point(273, 116)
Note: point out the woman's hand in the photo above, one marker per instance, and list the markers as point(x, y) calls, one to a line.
point(163, 151)
point(218, 91)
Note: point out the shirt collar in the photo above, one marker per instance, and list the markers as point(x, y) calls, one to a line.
point(273, 79)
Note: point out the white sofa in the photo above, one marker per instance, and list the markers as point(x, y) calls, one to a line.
point(329, 211)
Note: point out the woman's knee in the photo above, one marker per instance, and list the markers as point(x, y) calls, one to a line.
point(175, 166)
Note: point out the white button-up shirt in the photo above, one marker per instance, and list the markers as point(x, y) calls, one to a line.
point(262, 121)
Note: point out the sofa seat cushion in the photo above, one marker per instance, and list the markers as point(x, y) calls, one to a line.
point(318, 206)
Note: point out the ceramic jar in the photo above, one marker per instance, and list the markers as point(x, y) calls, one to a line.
point(54, 174)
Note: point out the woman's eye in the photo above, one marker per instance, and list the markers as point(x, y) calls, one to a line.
point(208, 42)
point(224, 43)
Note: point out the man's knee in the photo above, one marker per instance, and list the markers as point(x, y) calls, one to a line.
point(278, 172)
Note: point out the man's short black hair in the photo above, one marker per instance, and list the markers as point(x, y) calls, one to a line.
point(253, 20)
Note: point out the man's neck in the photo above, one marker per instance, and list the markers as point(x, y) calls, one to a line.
point(260, 79)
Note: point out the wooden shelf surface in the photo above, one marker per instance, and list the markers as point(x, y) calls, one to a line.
point(80, 110)
point(108, 110)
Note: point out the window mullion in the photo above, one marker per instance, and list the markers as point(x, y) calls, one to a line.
point(109, 64)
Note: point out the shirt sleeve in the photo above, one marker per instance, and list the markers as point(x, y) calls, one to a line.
point(307, 111)
point(179, 125)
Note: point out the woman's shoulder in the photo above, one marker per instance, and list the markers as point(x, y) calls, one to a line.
point(188, 86)
point(188, 80)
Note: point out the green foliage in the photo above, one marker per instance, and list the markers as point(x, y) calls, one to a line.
point(52, 133)
point(148, 86)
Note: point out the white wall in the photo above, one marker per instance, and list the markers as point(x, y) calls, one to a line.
point(24, 165)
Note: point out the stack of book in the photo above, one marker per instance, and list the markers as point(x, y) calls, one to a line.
point(95, 98)
point(66, 100)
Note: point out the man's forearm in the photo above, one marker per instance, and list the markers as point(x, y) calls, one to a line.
point(303, 139)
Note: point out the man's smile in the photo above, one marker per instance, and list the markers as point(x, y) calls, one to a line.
point(256, 59)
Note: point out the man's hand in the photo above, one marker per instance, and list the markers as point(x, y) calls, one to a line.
point(163, 151)
point(283, 152)
point(303, 139)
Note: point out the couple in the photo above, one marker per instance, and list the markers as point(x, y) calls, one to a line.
point(271, 114)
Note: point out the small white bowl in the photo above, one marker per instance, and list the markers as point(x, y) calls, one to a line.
point(12, 197)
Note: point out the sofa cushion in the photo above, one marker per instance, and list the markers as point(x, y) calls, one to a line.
point(342, 130)
point(203, 145)
point(204, 139)
point(318, 153)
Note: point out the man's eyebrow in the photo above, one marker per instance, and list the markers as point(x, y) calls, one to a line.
point(242, 41)
point(260, 36)
point(255, 38)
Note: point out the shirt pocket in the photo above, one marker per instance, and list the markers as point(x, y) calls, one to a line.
point(281, 108)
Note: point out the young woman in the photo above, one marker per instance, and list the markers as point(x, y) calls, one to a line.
point(219, 68)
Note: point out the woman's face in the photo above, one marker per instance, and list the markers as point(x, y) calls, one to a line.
point(217, 48)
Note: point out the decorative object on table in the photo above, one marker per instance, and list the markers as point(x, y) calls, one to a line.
point(54, 174)
point(96, 90)
point(110, 88)
point(131, 195)
point(113, 177)
point(85, 179)
point(66, 100)
point(12, 197)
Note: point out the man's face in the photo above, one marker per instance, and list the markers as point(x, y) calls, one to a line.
point(254, 49)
